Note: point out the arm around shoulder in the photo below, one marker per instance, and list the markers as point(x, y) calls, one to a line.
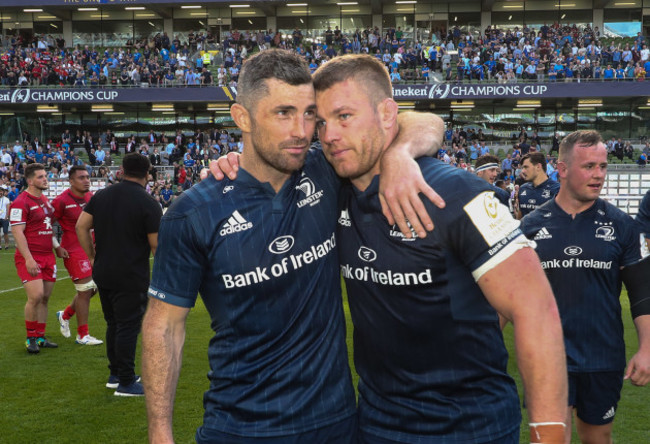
point(420, 134)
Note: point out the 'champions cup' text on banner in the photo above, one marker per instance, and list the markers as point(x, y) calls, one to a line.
point(452, 91)
point(115, 95)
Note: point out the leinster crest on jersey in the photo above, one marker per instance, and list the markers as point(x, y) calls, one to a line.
point(312, 197)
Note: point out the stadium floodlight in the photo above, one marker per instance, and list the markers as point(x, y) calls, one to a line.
point(162, 107)
point(347, 3)
point(86, 9)
point(460, 104)
point(32, 10)
point(240, 6)
point(406, 105)
point(589, 103)
point(47, 109)
point(292, 5)
point(529, 104)
point(406, 2)
point(134, 8)
point(219, 107)
point(101, 108)
point(191, 7)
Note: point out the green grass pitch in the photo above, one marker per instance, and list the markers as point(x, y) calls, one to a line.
point(59, 396)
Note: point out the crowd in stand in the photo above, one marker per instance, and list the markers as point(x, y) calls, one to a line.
point(550, 53)
point(186, 154)
point(462, 148)
point(160, 61)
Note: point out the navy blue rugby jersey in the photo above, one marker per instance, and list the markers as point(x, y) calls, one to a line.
point(643, 216)
point(502, 195)
point(427, 344)
point(266, 266)
point(582, 257)
point(531, 197)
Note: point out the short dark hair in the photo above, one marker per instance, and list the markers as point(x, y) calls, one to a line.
point(485, 159)
point(581, 137)
point(279, 64)
point(535, 159)
point(136, 165)
point(74, 170)
point(368, 70)
point(30, 170)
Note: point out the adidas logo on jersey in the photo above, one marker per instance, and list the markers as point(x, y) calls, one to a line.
point(543, 234)
point(610, 413)
point(235, 224)
point(344, 219)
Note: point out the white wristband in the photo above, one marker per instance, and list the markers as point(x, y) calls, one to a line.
point(55, 242)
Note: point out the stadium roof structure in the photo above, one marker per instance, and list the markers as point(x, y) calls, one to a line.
point(62, 8)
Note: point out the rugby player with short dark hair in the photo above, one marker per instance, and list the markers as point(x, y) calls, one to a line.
point(67, 208)
point(588, 249)
point(538, 189)
point(487, 168)
point(261, 250)
point(427, 343)
point(30, 216)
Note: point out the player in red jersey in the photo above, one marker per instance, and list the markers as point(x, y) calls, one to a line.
point(67, 208)
point(30, 216)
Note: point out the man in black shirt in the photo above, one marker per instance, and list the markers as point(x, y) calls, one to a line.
point(126, 219)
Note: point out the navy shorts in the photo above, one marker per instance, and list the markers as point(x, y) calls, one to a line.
point(342, 432)
point(595, 396)
point(4, 226)
point(366, 438)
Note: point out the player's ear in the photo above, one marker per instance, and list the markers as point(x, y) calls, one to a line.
point(242, 117)
point(388, 111)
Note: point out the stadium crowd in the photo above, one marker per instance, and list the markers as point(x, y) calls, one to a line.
point(187, 154)
point(551, 53)
point(159, 61)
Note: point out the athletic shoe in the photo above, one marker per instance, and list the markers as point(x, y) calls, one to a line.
point(88, 340)
point(114, 381)
point(43, 342)
point(133, 389)
point(32, 346)
point(63, 324)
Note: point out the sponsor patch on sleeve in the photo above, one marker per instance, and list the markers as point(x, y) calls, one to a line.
point(491, 218)
point(16, 215)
